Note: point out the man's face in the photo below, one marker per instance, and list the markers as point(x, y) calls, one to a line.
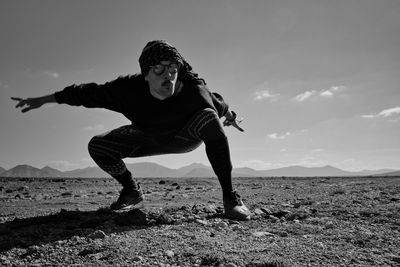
point(162, 79)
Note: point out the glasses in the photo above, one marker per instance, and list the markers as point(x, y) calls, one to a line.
point(160, 68)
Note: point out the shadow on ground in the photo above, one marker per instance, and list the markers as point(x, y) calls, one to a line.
point(22, 233)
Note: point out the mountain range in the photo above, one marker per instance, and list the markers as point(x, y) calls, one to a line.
point(149, 169)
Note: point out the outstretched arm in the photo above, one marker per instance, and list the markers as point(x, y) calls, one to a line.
point(34, 102)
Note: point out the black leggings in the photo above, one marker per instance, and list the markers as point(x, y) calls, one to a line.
point(108, 149)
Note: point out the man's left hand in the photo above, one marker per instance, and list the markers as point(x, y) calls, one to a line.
point(231, 120)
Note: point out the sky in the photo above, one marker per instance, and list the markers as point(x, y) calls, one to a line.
point(316, 81)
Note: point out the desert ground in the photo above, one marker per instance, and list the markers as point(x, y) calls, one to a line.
point(348, 221)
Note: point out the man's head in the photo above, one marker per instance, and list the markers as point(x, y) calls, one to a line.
point(162, 65)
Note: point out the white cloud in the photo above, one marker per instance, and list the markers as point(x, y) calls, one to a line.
point(279, 136)
point(317, 150)
point(332, 90)
point(52, 74)
point(304, 96)
point(383, 114)
point(265, 94)
point(328, 93)
point(283, 150)
point(276, 136)
point(5, 86)
point(97, 127)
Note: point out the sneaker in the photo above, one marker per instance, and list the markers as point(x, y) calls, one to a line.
point(234, 207)
point(129, 199)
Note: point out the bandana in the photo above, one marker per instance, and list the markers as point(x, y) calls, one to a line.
point(159, 50)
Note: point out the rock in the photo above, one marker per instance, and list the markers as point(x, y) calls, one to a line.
point(66, 194)
point(395, 259)
point(281, 213)
point(9, 191)
point(97, 234)
point(266, 211)
point(169, 253)
point(230, 265)
point(203, 222)
point(297, 205)
point(174, 184)
point(260, 234)
point(137, 258)
point(273, 218)
point(161, 182)
point(221, 224)
point(258, 212)
point(23, 188)
point(237, 227)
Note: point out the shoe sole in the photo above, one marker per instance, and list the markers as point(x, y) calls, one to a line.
point(133, 206)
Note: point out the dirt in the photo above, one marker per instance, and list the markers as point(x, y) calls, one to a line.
point(296, 222)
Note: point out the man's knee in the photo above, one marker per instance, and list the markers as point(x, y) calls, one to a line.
point(209, 126)
point(93, 146)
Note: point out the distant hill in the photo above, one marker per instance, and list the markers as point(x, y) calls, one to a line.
point(200, 172)
point(52, 172)
point(394, 173)
point(149, 169)
point(26, 171)
point(189, 168)
point(301, 171)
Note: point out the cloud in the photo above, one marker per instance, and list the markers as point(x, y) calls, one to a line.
point(328, 93)
point(51, 73)
point(304, 96)
point(5, 86)
point(383, 114)
point(265, 94)
point(276, 136)
point(262, 92)
point(317, 150)
point(97, 127)
point(279, 136)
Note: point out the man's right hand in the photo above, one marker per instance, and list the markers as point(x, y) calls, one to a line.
point(33, 103)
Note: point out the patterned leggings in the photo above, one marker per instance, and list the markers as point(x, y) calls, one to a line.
point(108, 149)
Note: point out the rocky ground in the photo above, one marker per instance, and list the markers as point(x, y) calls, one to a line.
point(296, 222)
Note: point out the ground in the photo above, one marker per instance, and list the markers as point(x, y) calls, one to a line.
point(296, 222)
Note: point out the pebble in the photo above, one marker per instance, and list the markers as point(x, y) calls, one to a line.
point(266, 211)
point(169, 253)
point(97, 234)
point(203, 222)
point(273, 218)
point(137, 258)
point(260, 234)
point(258, 212)
point(221, 224)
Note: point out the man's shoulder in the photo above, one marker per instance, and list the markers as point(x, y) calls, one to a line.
point(131, 79)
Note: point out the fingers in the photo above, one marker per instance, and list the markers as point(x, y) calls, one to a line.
point(16, 98)
point(26, 109)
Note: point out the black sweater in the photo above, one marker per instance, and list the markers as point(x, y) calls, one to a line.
point(130, 95)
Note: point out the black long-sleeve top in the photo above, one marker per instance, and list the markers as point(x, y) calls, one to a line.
point(130, 95)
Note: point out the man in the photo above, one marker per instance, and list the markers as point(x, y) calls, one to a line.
point(171, 110)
